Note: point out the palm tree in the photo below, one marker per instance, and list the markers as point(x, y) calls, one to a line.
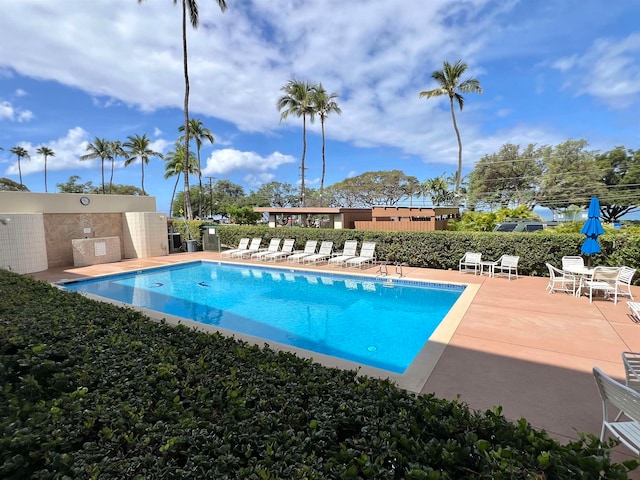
point(138, 148)
point(100, 148)
point(297, 101)
point(198, 132)
point(46, 152)
point(116, 151)
point(175, 166)
point(194, 16)
point(20, 152)
point(323, 105)
point(449, 80)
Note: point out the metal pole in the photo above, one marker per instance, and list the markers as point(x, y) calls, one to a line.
point(211, 194)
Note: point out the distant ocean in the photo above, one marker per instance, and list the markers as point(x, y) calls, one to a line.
point(546, 214)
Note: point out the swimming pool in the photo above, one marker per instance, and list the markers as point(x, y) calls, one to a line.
point(376, 322)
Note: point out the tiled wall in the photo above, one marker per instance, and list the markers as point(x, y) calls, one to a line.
point(145, 234)
point(92, 251)
point(61, 228)
point(22, 242)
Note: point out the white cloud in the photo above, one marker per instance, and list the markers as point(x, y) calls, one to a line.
point(609, 71)
point(20, 93)
point(67, 149)
point(227, 160)
point(11, 113)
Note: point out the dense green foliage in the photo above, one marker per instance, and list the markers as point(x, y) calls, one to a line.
point(91, 390)
point(443, 249)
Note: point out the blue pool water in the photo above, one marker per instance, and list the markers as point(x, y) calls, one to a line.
point(354, 318)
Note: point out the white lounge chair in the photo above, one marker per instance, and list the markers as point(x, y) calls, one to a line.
point(627, 401)
point(309, 249)
point(274, 246)
point(287, 249)
point(561, 281)
point(243, 244)
point(326, 249)
point(603, 279)
point(350, 251)
point(506, 265)
point(367, 256)
point(635, 310)
point(254, 247)
point(470, 262)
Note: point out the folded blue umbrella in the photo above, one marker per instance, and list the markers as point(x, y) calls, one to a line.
point(592, 228)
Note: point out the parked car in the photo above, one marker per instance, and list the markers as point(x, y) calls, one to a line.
point(523, 226)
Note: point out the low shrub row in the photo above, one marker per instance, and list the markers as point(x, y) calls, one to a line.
point(443, 249)
point(91, 390)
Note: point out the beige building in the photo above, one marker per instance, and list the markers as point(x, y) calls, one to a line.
point(44, 230)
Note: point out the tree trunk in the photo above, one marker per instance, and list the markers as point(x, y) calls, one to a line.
point(304, 153)
point(45, 174)
point(323, 162)
point(142, 165)
point(187, 197)
point(456, 200)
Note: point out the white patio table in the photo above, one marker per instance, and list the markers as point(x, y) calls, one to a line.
point(583, 273)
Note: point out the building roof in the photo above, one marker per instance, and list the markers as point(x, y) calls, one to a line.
point(307, 210)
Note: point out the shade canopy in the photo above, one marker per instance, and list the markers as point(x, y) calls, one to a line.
point(592, 228)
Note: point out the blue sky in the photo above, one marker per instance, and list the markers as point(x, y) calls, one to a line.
point(75, 70)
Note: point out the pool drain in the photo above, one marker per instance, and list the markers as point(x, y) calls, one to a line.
point(372, 348)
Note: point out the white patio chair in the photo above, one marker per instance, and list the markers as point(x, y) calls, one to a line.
point(560, 281)
point(470, 262)
point(570, 262)
point(627, 401)
point(603, 279)
point(635, 310)
point(367, 256)
point(506, 265)
point(623, 282)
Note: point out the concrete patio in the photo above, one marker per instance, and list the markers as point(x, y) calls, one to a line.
point(516, 346)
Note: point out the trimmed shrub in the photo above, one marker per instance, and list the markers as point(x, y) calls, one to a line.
point(443, 249)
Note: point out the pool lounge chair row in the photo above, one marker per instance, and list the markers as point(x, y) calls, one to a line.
point(349, 257)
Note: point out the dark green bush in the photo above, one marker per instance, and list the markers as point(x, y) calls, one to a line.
point(443, 249)
point(91, 390)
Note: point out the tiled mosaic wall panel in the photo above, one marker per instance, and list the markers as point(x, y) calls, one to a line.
point(22, 242)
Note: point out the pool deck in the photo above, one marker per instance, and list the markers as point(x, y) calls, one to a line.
point(516, 346)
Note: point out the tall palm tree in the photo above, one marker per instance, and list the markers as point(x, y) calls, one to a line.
point(175, 166)
point(137, 147)
point(46, 152)
point(20, 152)
point(323, 105)
point(199, 133)
point(116, 151)
point(449, 80)
point(100, 148)
point(297, 101)
point(194, 16)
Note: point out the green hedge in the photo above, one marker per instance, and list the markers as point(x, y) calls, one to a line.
point(443, 249)
point(91, 390)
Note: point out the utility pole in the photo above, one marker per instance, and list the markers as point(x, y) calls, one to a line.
point(211, 194)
